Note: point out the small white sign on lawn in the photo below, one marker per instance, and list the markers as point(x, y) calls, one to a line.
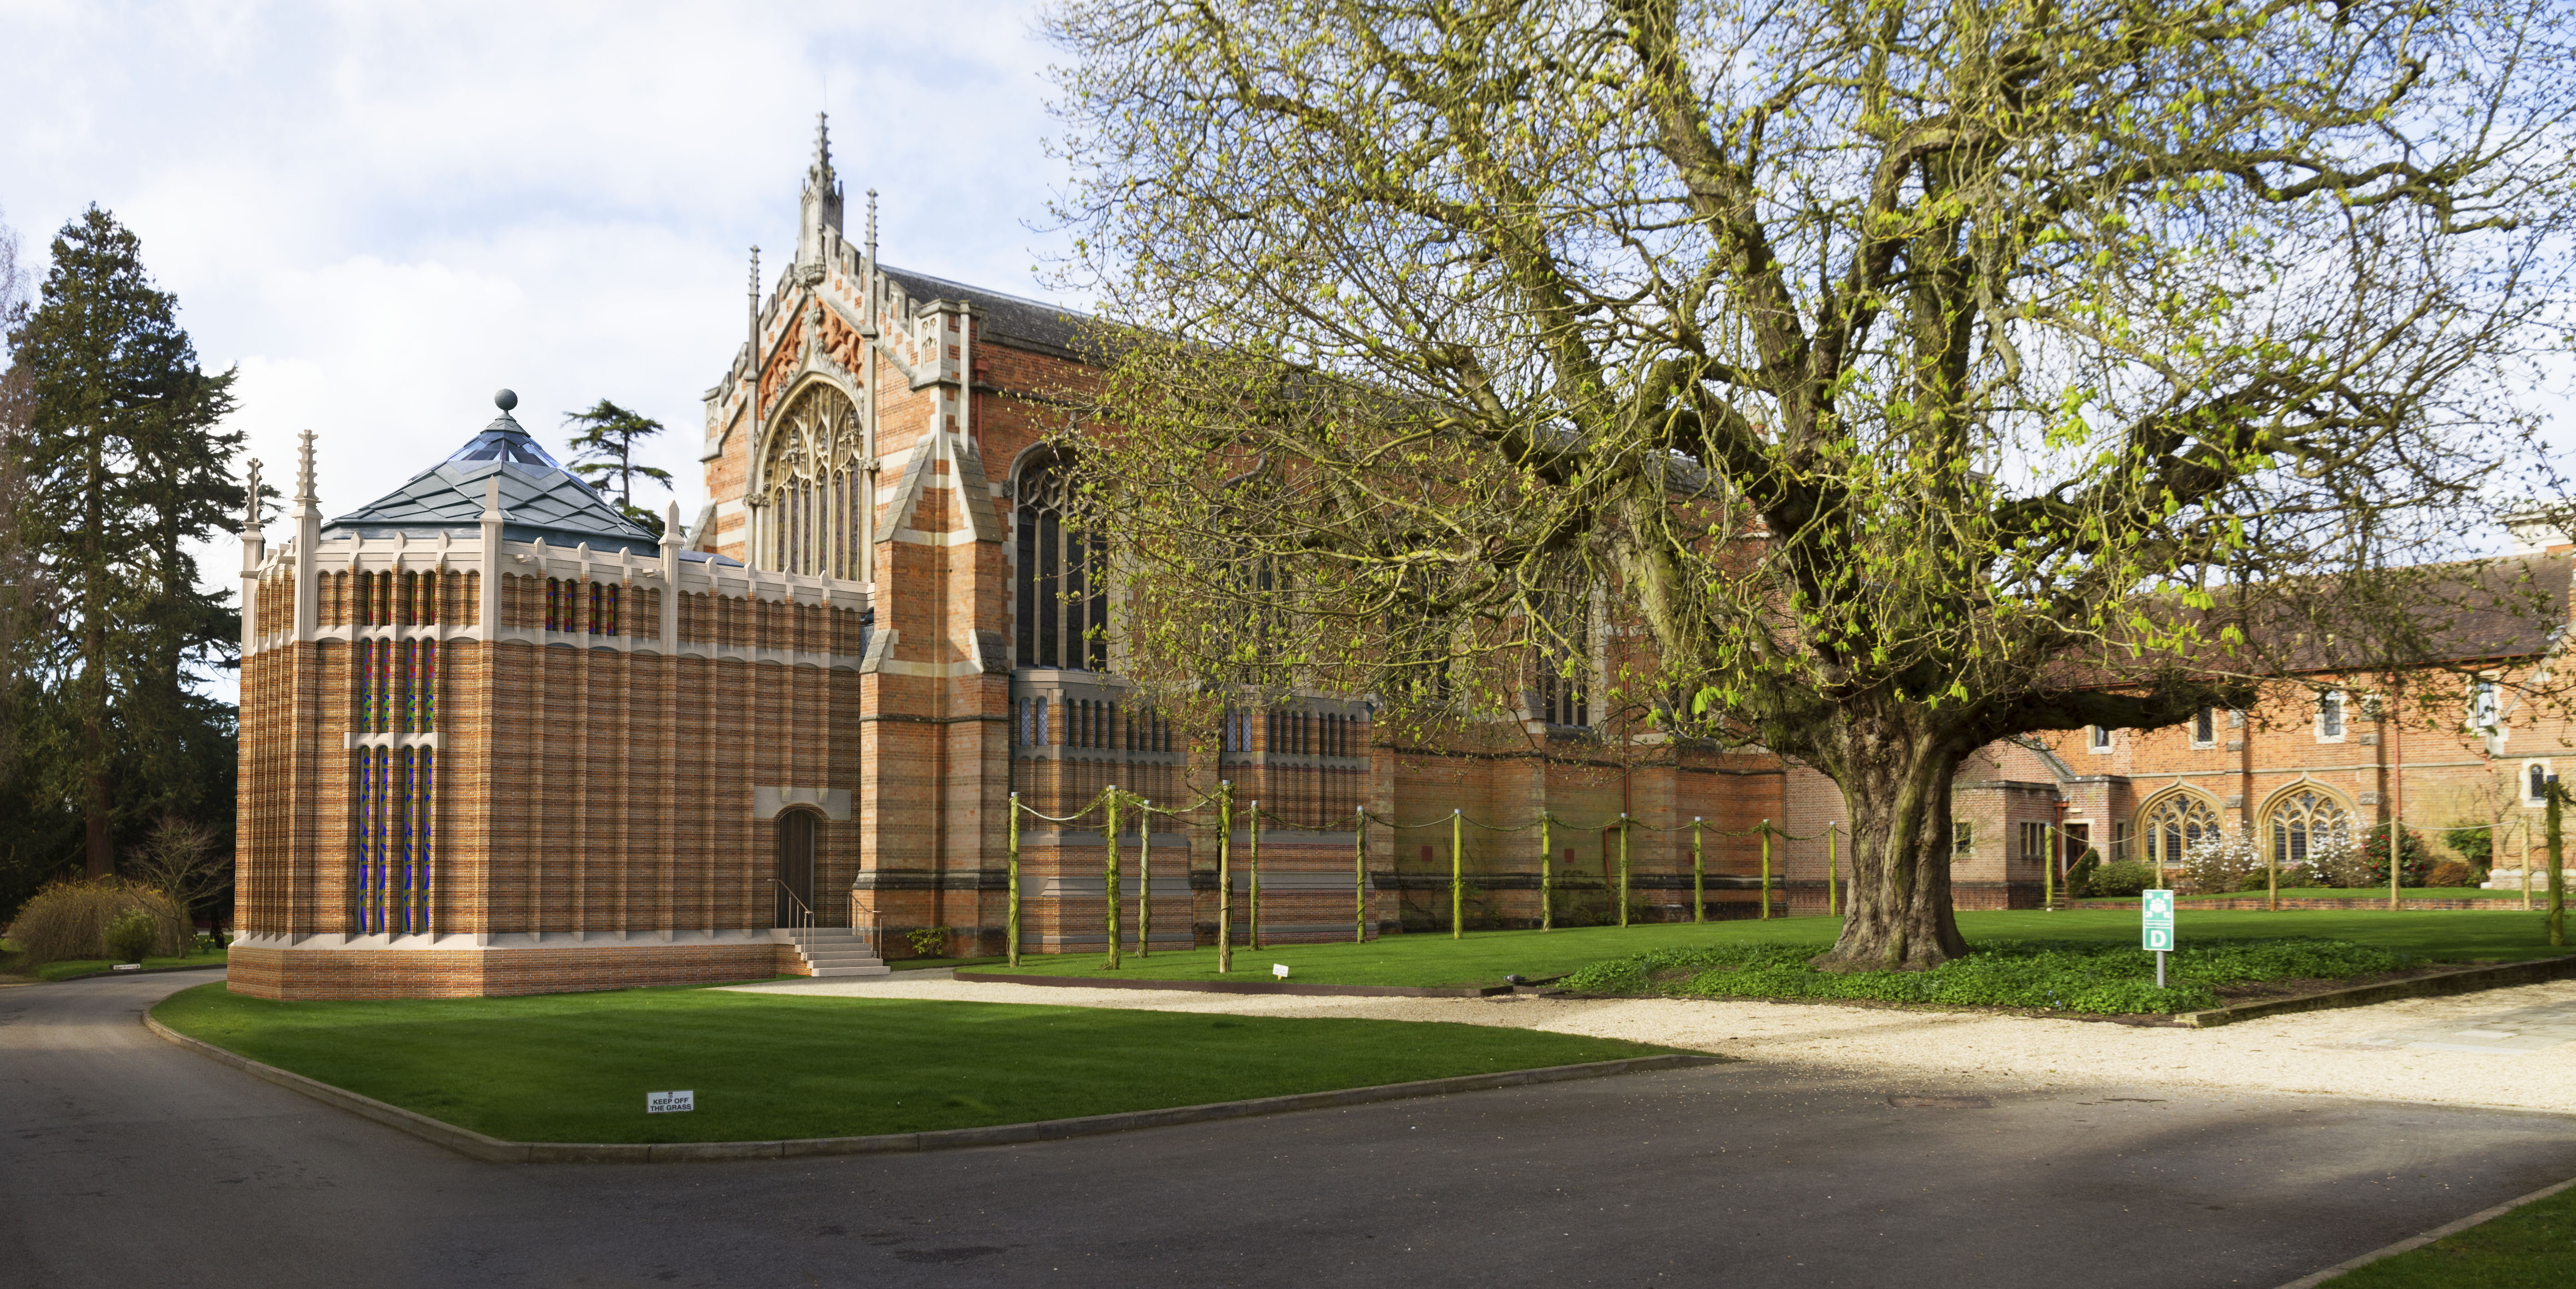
point(1279, 969)
point(670, 1102)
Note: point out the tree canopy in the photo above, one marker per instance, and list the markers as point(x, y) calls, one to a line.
point(1910, 376)
point(604, 455)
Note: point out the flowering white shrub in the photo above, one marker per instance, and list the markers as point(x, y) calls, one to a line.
point(2220, 864)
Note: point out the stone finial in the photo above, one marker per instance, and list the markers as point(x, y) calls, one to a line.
point(505, 400)
point(492, 496)
point(304, 471)
point(250, 502)
point(872, 225)
point(671, 534)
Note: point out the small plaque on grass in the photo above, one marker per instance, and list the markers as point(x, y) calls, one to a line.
point(670, 1102)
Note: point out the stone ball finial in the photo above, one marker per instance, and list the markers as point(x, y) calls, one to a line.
point(505, 400)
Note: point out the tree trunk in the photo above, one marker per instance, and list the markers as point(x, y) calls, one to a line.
point(1898, 912)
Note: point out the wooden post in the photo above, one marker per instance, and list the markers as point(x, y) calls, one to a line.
point(1224, 877)
point(1014, 845)
point(2048, 871)
point(1109, 884)
point(1832, 907)
point(2271, 876)
point(1546, 873)
point(1623, 868)
point(1144, 878)
point(2557, 868)
point(1359, 877)
point(1255, 911)
point(1457, 894)
point(1766, 868)
point(1699, 877)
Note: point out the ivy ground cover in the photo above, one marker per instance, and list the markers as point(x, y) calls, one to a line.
point(2097, 979)
point(576, 1067)
point(1485, 957)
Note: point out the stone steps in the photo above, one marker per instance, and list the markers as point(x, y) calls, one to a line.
point(837, 951)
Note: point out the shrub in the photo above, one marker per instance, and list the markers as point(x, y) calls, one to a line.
point(2222, 864)
point(2415, 858)
point(129, 938)
point(928, 941)
point(2474, 843)
point(2293, 877)
point(2450, 872)
point(2124, 878)
point(68, 920)
point(2345, 865)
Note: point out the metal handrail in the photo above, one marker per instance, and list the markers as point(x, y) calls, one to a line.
point(801, 907)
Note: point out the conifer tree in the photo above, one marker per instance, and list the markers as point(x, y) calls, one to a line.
point(124, 467)
point(604, 455)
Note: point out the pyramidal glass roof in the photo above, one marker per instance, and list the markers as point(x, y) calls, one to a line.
point(539, 499)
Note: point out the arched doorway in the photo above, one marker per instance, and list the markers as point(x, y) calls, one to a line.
point(799, 831)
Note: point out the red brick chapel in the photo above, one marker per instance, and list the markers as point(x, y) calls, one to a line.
point(498, 739)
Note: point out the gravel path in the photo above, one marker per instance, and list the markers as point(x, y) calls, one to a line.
point(2328, 1053)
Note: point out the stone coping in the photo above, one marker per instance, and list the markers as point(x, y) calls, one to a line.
point(1236, 986)
point(2467, 980)
point(475, 1145)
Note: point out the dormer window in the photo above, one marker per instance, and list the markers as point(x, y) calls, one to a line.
point(2330, 717)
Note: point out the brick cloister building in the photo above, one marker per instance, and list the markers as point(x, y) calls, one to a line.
point(498, 739)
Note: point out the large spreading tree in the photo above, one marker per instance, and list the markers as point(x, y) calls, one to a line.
point(1909, 376)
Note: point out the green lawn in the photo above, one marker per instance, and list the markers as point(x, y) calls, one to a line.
point(2531, 1247)
point(576, 1067)
point(1485, 957)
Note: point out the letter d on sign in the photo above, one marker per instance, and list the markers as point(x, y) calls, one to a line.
point(670, 1102)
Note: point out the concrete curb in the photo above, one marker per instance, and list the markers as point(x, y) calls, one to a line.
point(477, 1146)
point(147, 971)
point(2468, 980)
point(2313, 1279)
point(1239, 986)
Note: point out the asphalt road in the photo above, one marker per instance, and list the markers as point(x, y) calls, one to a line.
point(127, 1162)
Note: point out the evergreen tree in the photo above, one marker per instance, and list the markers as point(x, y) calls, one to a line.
point(124, 467)
point(604, 454)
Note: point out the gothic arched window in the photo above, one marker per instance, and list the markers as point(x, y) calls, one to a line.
point(2174, 825)
point(2307, 823)
point(1061, 611)
point(811, 486)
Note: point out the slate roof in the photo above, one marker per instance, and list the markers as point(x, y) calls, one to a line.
point(1007, 318)
point(539, 498)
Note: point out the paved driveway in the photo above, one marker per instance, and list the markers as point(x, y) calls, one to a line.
point(127, 1162)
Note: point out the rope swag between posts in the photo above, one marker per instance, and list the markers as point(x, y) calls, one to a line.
point(1112, 802)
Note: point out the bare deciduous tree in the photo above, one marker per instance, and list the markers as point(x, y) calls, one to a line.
point(1914, 375)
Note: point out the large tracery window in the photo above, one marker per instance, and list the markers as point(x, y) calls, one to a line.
point(812, 486)
point(2307, 823)
point(2176, 824)
point(1062, 611)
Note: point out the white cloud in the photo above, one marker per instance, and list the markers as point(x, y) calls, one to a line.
point(383, 212)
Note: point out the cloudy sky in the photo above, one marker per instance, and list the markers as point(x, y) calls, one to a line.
point(383, 211)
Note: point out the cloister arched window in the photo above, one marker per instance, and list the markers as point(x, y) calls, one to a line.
point(812, 487)
point(1061, 610)
point(2307, 823)
point(2175, 823)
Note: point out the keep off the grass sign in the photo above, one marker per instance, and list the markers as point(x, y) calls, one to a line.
point(670, 1102)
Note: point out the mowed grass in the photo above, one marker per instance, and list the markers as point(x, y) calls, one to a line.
point(2532, 1247)
point(1433, 960)
point(576, 1067)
